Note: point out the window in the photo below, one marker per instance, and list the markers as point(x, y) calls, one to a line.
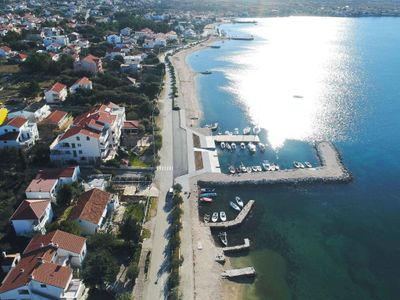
point(79, 145)
point(88, 138)
point(23, 292)
point(78, 138)
point(5, 130)
point(43, 286)
point(73, 145)
point(80, 151)
point(15, 130)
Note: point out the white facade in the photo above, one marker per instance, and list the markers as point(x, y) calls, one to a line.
point(36, 194)
point(55, 97)
point(114, 39)
point(85, 86)
point(24, 136)
point(30, 227)
point(88, 228)
point(32, 114)
point(62, 40)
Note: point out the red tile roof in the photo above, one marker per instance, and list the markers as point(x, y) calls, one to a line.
point(90, 206)
point(17, 122)
point(91, 59)
point(80, 130)
point(41, 185)
point(130, 124)
point(6, 48)
point(55, 117)
point(30, 209)
point(56, 173)
point(83, 80)
point(58, 87)
point(63, 240)
point(52, 274)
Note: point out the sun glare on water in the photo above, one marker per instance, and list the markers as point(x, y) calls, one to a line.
point(286, 77)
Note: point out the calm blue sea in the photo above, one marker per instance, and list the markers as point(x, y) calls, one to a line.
point(304, 79)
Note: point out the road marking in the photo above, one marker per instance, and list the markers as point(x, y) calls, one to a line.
point(165, 168)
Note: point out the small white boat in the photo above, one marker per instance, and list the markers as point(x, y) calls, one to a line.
point(246, 130)
point(308, 164)
point(266, 165)
point(228, 133)
point(214, 126)
point(242, 146)
point(256, 129)
point(252, 147)
point(206, 200)
point(222, 216)
point(254, 169)
point(239, 201)
point(207, 190)
point(248, 170)
point(233, 146)
point(214, 217)
point(236, 131)
point(234, 206)
point(232, 170)
point(242, 168)
point(296, 164)
point(301, 165)
point(223, 145)
point(206, 218)
point(262, 147)
point(223, 238)
point(259, 169)
point(228, 146)
point(277, 167)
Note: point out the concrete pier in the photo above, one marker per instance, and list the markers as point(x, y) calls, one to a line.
point(238, 220)
point(237, 248)
point(244, 272)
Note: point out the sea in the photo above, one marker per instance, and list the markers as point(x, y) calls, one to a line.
point(305, 79)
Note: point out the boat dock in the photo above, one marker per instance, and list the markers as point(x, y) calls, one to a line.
point(244, 272)
point(244, 246)
point(238, 220)
point(236, 138)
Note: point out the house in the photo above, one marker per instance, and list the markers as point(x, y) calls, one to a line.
point(57, 93)
point(160, 40)
point(5, 52)
point(99, 181)
point(66, 175)
point(34, 112)
point(62, 40)
point(125, 31)
point(115, 52)
point(54, 47)
point(31, 217)
point(171, 36)
point(114, 39)
point(18, 132)
point(45, 270)
point(9, 261)
point(93, 136)
point(91, 210)
point(83, 83)
point(20, 57)
point(58, 118)
point(90, 63)
point(131, 127)
point(42, 189)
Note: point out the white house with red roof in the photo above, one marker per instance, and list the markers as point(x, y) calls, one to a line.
point(45, 270)
point(42, 188)
point(82, 83)
point(90, 63)
point(5, 52)
point(57, 118)
point(18, 132)
point(93, 136)
point(57, 93)
point(31, 217)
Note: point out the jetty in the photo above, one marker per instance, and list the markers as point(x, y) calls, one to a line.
point(244, 272)
point(237, 221)
point(237, 248)
point(231, 138)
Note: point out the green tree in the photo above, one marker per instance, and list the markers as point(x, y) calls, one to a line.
point(99, 268)
point(64, 195)
point(104, 241)
point(177, 188)
point(37, 63)
point(130, 230)
point(67, 226)
point(31, 89)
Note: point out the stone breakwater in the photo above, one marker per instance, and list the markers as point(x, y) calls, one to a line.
point(332, 169)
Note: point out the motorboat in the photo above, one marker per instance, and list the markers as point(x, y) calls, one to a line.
point(246, 130)
point(223, 238)
point(215, 46)
point(308, 164)
point(256, 129)
point(243, 168)
point(301, 165)
point(206, 72)
point(236, 131)
point(233, 146)
point(262, 147)
point(232, 170)
point(248, 170)
point(265, 165)
point(234, 206)
point(254, 169)
point(207, 190)
point(242, 146)
point(222, 216)
point(259, 169)
point(252, 147)
point(206, 200)
point(296, 164)
point(208, 195)
point(214, 126)
point(223, 145)
point(227, 132)
point(239, 201)
point(214, 217)
point(277, 167)
point(206, 218)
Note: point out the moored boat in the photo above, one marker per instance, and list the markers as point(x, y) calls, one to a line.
point(232, 170)
point(222, 216)
point(266, 165)
point(214, 217)
point(206, 200)
point(206, 72)
point(308, 164)
point(234, 206)
point(242, 168)
point(208, 195)
point(214, 126)
point(233, 146)
point(206, 218)
point(259, 169)
point(248, 169)
point(236, 131)
point(296, 164)
point(252, 147)
point(228, 147)
point(242, 146)
point(223, 238)
point(256, 129)
point(239, 201)
point(207, 190)
point(246, 130)
point(254, 169)
point(223, 145)
point(301, 165)
point(262, 147)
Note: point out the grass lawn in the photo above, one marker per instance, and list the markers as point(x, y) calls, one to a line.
point(152, 209)
point(9, 69)
point(136, 162)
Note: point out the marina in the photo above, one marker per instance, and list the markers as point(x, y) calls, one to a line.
point(237, 221)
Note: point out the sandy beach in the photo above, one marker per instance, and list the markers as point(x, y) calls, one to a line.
point(208, 283)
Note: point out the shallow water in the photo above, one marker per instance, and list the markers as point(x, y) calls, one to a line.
point(333, 241)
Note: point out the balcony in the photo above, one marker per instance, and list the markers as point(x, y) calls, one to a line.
point(73, 291)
